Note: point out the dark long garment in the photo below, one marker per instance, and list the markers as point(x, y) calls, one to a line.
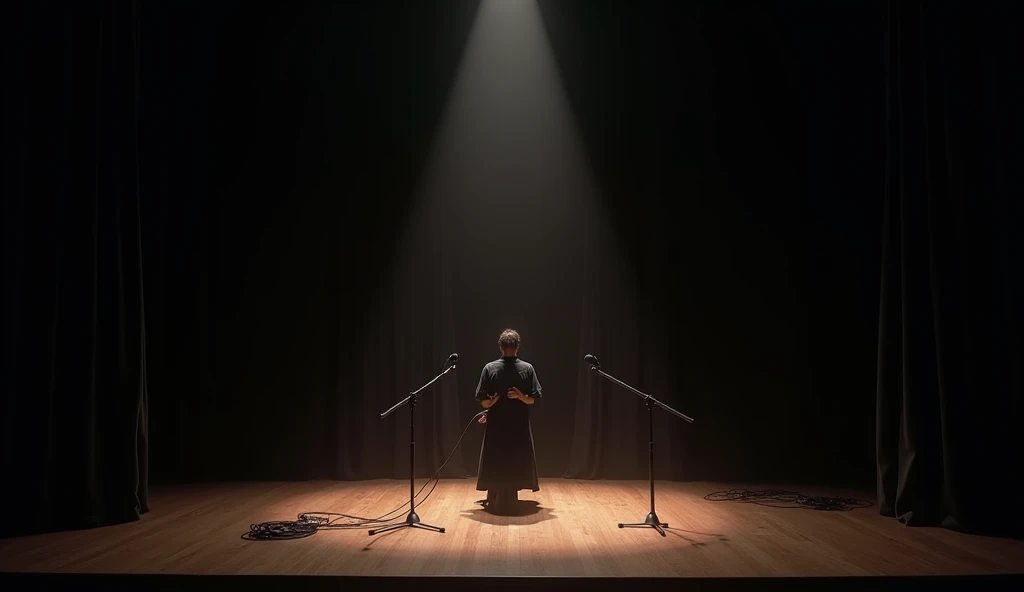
point(508, 461)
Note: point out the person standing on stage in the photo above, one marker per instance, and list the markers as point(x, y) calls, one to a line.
point(508, 463)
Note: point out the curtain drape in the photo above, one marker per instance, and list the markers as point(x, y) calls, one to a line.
point(75, 427)
point(949, 351)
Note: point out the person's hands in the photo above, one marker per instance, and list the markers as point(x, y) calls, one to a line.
point(483, 418)
point(514, 393)
point(489, 401)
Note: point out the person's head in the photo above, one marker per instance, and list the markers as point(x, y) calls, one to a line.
point(509, 342)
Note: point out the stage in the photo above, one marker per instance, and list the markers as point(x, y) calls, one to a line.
point(567, 530)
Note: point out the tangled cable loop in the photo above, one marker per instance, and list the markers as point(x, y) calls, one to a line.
point(778, 498)
point(283, 529)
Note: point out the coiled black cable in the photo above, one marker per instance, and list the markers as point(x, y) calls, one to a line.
point(778, 498)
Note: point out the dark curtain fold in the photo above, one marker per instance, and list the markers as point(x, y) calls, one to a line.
point(409, 335)
point(75, 426)
point(291, 145)
point(629, 320)
point(735, 191)
point(949, 351)
point(606, 416)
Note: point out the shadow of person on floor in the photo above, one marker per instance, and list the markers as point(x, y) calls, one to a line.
point(524, 512)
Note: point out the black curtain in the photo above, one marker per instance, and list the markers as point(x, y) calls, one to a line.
point(288, 148)
point(606, 421)
point(75, 435)
point(283, 152)
point(407, 339)
point(288, 152)
point(736, 150)
point(949, 351)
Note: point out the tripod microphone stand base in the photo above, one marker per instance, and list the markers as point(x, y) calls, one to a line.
point(652, 521)
point(411, 521)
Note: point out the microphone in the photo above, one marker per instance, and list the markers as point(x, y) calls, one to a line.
point(452, 359)
point(592, 360)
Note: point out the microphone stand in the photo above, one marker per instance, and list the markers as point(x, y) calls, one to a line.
point(412, 520)
point(652, 519)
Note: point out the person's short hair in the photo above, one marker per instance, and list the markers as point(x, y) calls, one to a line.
point(509, 339)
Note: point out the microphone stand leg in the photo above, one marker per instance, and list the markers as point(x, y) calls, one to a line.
point(652, 520)
point(411, 521)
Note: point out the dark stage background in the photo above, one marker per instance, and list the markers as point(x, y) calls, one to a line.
point(307, 253)
point(287, 148)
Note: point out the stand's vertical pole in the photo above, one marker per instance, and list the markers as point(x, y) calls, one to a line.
point(412, 455)
point(650, 447)
point(652, 519)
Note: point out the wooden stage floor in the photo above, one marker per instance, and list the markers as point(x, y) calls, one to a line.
point(570, 531)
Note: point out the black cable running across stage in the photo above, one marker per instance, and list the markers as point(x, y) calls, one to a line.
point(309, 523)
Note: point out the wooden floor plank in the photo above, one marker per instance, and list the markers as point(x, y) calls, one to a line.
point(571, 531)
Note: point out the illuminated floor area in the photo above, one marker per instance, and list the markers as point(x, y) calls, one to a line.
point(568, 529)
